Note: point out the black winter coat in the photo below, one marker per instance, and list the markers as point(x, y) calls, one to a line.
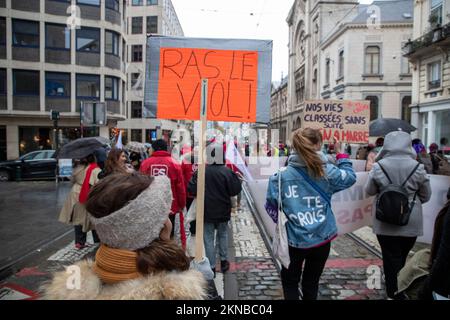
point(220, 185)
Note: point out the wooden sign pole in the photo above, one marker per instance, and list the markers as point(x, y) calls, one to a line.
point(201, 174)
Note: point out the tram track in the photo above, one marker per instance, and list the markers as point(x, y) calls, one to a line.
point(268, 240)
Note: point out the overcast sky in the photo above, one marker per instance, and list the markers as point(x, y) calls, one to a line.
point(242, 19)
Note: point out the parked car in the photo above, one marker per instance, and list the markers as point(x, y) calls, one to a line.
point(34, 165)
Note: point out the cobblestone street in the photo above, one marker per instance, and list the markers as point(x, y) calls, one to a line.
point(345, 276)
point(253, 275)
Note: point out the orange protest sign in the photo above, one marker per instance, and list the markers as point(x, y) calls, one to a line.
point(232, 84)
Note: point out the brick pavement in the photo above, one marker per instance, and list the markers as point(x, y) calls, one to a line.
point(345, 276)
point(256, 275)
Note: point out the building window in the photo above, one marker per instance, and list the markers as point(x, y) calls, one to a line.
point(405, 66)
point(2, 31)
point(435, 13)
point(327, 71)
point(112, 4)
point(112, 43)
point(374, 107)
point(406, 110)
point(88, 86)
point(3, 82)
point(25, 33)
point(434, 75)
point(136, 135)
point(88, 40)
point(26, 83)
point(137, 2)
point(57, 84)
point(341, 64)
point(152, 24)
point(57, 36)
point(442, 133)
point(136, 53)
point(152, 2)
point(314, 83)
point(136, 81)
point(372, 60)
point(95, 3)
point(136, 109)
point(111, 88)
point(136, 25)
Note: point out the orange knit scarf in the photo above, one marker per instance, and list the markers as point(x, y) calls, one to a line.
point(115, 265)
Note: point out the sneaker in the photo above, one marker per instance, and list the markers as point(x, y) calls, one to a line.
point(80, 246)
point(224, 266)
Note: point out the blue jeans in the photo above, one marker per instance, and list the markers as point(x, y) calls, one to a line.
point(209, 240)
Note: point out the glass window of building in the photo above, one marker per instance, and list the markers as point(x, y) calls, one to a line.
point(137, 2)
point(136, 25)
point(152, 2)
point(3, 86)
point(443, 130)
point(327, 71)
point(136, 109)
point(88, 86)
point(88, 39)
point(372, 65)
point(341, 64)
point(374, 107)
point(89, 2)
point(136, 135)
point(112, 43)
point(136, 53)
point(57, 84)
point(112, 4)
point(406, 110)
point(434, 75)
point(111, 88)
point(136, 81)
point(436, 13)
point(57, 36)
point(25, 33)
point(26, 83)
point(2, 31)
point(152, 24)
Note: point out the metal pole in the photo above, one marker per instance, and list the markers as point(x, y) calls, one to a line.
point(201, 174)
point(81, 118)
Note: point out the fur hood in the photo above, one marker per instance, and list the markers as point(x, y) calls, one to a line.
point(188, 285)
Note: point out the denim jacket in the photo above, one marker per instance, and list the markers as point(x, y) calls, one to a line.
point(311, 222)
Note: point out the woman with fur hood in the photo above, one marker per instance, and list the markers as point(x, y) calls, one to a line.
point(136, 259)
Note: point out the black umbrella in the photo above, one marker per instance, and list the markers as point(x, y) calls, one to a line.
point(81, 148)
point(381, 127)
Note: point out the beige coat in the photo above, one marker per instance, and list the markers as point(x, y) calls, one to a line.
point(188, 285)
point(73, 212)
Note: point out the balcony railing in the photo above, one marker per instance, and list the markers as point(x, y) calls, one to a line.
point(436, 35)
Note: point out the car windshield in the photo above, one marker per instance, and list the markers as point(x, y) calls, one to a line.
point(29, 156)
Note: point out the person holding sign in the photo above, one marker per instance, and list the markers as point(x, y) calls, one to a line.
point(306, 187)
point(221, 183)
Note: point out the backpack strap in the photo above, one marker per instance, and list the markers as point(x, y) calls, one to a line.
point(385, 173)
point(410, 175)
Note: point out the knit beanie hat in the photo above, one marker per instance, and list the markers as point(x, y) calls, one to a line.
point(140, 222)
